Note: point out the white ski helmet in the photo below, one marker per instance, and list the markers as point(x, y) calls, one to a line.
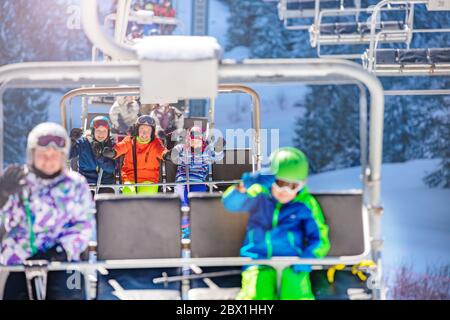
point(48, 134)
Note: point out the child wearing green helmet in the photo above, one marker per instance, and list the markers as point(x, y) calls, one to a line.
point(285, 220)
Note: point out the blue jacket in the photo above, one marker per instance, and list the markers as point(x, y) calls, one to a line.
point(296, 228)
point(89, 166)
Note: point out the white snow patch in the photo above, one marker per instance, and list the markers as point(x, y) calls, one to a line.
point(178, 48)
point(416, 220)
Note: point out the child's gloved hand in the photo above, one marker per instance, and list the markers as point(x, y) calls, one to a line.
point(55, 253)
point(11, 182)
point(97, 149)
point(75, 134)
point(250, 179)
point(109, 153)
point(240, 187)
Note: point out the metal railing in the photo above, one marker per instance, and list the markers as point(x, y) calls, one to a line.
point(223, 88)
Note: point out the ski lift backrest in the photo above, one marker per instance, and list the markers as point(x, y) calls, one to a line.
point(215, 232)
point(138, 227)
point(343, 214)
point(235, 162)
point(170, 171)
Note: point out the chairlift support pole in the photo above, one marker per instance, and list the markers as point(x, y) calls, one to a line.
point(123, 12)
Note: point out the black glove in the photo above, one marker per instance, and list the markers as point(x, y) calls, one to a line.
point(97, 149)
point(109, 153)
point(163, 137)
point(11, 182)
point(167, 156)
point(133, 130)
point(55, 253)
point(75, 134)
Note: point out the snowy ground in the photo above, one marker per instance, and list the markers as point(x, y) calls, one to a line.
point(416, 220)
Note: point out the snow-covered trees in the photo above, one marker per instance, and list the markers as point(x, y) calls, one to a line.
point(439, 145)
point(34, 31)
point(328, 129)
point(255, 24)
point(415, 126)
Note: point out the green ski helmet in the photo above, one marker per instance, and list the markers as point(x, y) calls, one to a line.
point(289, 164)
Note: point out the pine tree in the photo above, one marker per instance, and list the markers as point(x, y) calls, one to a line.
point(33, 31)
point(328, 129)
point(440, 147)
point(411, 130)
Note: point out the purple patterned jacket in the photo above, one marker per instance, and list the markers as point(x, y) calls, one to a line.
point(63, 212)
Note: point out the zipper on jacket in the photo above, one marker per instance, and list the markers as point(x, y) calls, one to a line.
point(269, 245)
point(276, 214)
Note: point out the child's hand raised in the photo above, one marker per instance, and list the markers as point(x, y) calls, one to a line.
point(240, 187)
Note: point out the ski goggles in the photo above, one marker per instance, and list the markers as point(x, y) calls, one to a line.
point(196, 134)
point(146, 120)
point(101, 123)
point(45, 141)
point(289, 187)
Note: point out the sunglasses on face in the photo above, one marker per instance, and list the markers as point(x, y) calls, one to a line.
point(45, 141)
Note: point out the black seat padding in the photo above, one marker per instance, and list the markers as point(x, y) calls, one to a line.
point(341, 28)
point(216, 232)
point(234, 163)
point(440, 55)
point(338, 28)
point(386, 57)
point(171, 171)
point(413, 56)
point(343, 215)
point(138, 227)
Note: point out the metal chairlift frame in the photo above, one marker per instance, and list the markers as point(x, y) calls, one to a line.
point(317, 40)
point(124, 91)
point(70, 74)
point(369, 58)
point(233, 71)
point(285, 15)
point(436, 69)
point(229, 88)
